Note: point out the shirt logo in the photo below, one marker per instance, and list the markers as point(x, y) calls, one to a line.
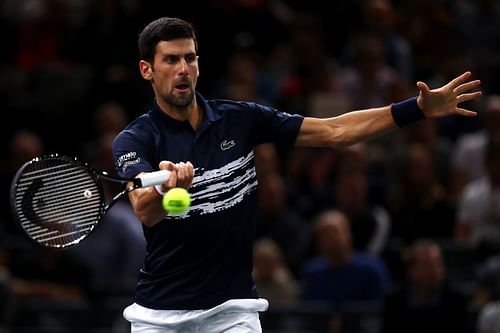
point(127, 160)
point(225, 145)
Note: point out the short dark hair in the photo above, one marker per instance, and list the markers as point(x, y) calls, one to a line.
point(163, 29)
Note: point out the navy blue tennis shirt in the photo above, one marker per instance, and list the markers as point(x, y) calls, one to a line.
point(203, 258)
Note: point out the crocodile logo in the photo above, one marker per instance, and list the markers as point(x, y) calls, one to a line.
point(225, 145)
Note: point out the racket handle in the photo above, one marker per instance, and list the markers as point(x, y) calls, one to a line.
point(154, 178)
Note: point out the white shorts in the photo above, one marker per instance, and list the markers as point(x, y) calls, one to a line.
point(233, 316)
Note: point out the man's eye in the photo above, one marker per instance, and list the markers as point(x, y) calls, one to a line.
point(191, 58)
point(171, 59)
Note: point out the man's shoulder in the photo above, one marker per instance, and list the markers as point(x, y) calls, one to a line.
point(141, 127)
point(315, 265)
point(144, 119)
point(368, 261)
point(223, 105)
point(139, 124)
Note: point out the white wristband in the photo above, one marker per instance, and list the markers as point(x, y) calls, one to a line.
point(159, 190)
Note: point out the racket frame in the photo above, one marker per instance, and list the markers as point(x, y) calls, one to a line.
point(96, 175)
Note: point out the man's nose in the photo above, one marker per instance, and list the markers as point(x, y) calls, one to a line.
point(183, 65)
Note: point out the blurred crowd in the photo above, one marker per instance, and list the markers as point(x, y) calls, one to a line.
point(409, 220)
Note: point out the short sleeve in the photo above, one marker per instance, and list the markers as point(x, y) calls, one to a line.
point(275, 126)
point(132, 154)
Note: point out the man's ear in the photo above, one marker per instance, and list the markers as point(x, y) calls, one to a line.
point(146, 70)
point(198, 70)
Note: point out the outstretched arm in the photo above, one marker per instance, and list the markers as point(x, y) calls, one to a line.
point(360, 125)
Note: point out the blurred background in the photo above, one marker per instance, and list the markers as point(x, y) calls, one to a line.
point(397, 234)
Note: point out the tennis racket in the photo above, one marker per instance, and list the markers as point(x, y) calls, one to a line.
point(58, 200)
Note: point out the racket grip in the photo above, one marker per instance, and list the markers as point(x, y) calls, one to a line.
point(154, 178)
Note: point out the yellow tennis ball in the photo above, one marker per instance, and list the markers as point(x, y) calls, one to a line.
point(176, 201)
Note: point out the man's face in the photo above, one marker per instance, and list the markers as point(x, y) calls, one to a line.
point(428, 269)
point(174, 71)
point(333, 235)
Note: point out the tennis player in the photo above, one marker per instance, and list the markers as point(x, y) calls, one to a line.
point(197, 274)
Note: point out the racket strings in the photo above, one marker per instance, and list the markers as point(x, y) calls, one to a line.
point(58, 202)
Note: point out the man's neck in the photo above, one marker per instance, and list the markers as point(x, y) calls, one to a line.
point(340, 258)
point(192, 113)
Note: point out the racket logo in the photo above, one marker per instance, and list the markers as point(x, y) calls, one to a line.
point(29, 202)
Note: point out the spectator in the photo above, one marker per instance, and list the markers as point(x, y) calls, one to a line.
point(380, 17)
point(244, 80)
point(23, 146)
point(428, 26)
point(280, 222)
point(477, 23)
point(109, 118)
point(370, 223)
point(426, 133)
point(468, 155)
point(369, 80)
point(488, 292)
point(417, 201)
point(425, 302)
point(479, 207)
point(311, 84)
point(309, 184)
point(16, 292)
point(339, 274)
point(274, 280)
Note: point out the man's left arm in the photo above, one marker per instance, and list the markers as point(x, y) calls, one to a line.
point(360, 125)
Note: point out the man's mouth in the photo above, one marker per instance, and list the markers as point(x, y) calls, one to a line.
point(182, 87)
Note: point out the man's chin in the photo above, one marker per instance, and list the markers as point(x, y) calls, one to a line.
point(180, 101)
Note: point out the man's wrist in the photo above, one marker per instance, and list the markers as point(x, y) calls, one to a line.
point(406, 112)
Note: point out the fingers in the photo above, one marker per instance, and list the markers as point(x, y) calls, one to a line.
point(467, 97)
point(458, 80)
point(172, 180)
point(467, 86)
point(457, 84)
point(443, 101)
point(191, 173)
point(185, 173)
point(167, 165)
point(424, 88)
point(465, 112)
point(181, 176)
